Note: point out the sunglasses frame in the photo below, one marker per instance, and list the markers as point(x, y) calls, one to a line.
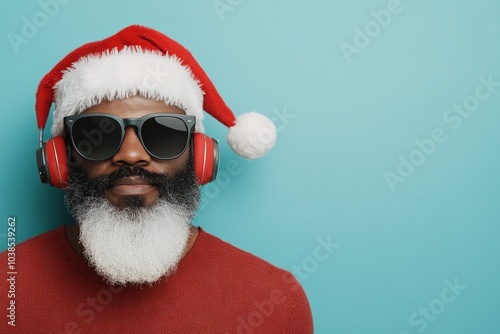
point(188, 120)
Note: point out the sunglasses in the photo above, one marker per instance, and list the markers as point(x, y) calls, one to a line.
point(98, 137)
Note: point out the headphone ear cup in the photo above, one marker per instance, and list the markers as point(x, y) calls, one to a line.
point(206, 158)
point(56, 159)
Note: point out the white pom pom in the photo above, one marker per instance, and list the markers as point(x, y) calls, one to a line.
point(253, 135)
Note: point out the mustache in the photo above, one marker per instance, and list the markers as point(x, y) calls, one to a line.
point(115, 177)
point(98, 185)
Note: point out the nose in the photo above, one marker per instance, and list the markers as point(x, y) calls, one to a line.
point(131, 153)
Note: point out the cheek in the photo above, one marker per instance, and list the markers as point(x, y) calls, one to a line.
point(177, 165)
point(93, 169)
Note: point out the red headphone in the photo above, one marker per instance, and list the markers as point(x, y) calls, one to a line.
point(52, 159)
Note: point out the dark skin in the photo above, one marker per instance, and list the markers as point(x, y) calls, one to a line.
point(131, 153)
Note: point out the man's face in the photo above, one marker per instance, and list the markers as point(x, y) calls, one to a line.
point(134, 212)
point(132, 153)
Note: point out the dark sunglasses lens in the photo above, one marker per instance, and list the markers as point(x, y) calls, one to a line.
point(165, 137)
point(96, 137)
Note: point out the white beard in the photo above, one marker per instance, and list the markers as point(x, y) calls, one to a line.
point(133, 245)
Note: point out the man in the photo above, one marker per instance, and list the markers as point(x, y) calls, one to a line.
point(130, 154)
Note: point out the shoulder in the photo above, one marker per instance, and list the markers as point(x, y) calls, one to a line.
point(220, 253)
point(261, 284)
point(40, 245)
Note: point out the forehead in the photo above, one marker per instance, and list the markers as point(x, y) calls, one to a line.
point(133, 107)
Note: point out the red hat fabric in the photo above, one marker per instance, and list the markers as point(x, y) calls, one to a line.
point(142, 61)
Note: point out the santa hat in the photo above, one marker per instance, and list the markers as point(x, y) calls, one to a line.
point(142, 61)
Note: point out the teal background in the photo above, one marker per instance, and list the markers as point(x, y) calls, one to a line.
point(347, 125)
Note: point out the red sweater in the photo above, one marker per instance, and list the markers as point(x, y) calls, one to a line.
point(217, 288)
